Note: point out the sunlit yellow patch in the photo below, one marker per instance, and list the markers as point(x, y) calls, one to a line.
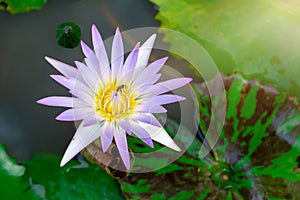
point(115, 101)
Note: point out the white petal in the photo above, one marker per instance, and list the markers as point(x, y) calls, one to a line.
point(143, 57)
point(145, 51)
point(63, 68)
point(99, 48)
point(107, 135)
point(83, 95)
point(68, 83)
point(141, 85)
point(82, 138)
point(86, 49)
point(121, 142)
point(74, 114)
point(149, 71)
point(88, 75)
point(166, 86)
point(117, 55)
point(61, 101)
point(160, 135)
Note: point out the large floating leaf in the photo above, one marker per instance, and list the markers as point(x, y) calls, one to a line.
point(257, 155)
point(259, 38)
point(12, 184)
point(21, 6)
point(44, 179)
point(74, 181)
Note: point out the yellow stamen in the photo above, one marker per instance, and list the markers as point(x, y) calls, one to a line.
point(115, 101)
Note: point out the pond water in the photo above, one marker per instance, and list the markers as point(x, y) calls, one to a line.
point(26, 127)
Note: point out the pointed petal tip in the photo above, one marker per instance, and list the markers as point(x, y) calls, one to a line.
point(181, 98)
point(64, 160)
point(62, 117)
point(188, 79)
point(126, 163)
point(165, 58)
point(77, 62)
point(151, 145)
point(48, 59)
point(58, 118)
point(137, 46)
point(62, 164)
point(105, 148)
point(127, 166)
point(153, 36)
point(118, 31)
point(176, 148)
point(173, 146)
point(148, 141)
point(40, 101)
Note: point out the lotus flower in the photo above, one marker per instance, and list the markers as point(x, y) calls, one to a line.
point(114, 98)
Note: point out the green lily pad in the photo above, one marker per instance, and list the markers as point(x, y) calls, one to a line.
point(77, 180)
point(260, 39)
point(23, 6)
point(68, 35)
point(13, 186)
point(42, 178)
point(257, 155)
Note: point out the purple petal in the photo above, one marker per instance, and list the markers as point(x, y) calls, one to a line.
point(142, 134)
point(83, 92)
point(163, 99)
point(66, 70)
point(87, 51)
point(130, 63)
point(146, 118)
point(149, 71)
point(68, 83)
point(91, 59)
point(125, 125)
point(121, 141)
point(168, 85)
point(145, 82)
point(93, 63)
point(88, 75)
point(107, 135)
point(81, 85)
point(82, 138)
point(83, 95)
point(61, 101)
point(74, 114)
point(117, 54)
point(154, 67)
point(151, 109)
point(91, 119)
point(99, 48)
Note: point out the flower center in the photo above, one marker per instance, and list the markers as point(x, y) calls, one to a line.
point(115, 101)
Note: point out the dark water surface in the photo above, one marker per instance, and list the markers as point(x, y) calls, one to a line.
point(26, 127)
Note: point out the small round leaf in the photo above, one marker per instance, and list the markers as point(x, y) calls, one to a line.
point(68, 35)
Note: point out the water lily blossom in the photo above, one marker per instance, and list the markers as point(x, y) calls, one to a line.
point(114, 98)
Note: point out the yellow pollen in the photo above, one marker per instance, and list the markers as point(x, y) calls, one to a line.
point(115, 101)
